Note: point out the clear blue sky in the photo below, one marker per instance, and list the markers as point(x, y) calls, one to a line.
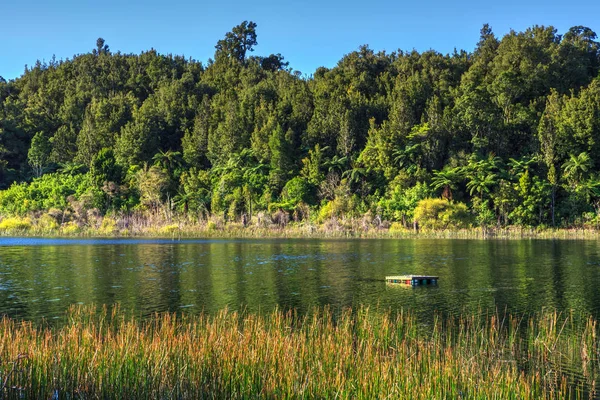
point(307, 33)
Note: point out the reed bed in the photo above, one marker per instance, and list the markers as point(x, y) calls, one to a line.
point(356, 354)
point(181, 226)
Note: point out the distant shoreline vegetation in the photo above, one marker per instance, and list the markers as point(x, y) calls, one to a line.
point(502, 141)
point(264, 226)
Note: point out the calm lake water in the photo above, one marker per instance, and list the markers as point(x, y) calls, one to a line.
point(42, 277)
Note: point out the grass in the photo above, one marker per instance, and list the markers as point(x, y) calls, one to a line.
point(357, 355)
point(157, 225)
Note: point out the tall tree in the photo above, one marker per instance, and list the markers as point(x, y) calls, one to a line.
point(238, 42)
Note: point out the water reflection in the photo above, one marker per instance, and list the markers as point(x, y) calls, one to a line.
point(42, 277)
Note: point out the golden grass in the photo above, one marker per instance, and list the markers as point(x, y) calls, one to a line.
point(362, 355)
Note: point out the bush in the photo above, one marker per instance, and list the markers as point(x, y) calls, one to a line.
point(48, 191)
point(398, 227)
point(15, 224)
point(47, 223)
point(169, 229)
point(70, 228)
point(298, 190)
point(341, 206)
point(401, 202)
point(108, 226)
point(441, 214)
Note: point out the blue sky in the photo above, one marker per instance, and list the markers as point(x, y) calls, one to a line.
point(307, 33)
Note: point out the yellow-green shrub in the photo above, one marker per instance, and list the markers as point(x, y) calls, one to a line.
point(108, 226)
point(47, 223)
point(398, 227)
point(441, 214)
point(169, 229)
point(15, 224)
point(70, 228)
point(338, 207)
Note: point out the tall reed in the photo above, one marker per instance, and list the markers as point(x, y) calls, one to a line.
point(358, 354)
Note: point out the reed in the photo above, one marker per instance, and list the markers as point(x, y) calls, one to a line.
point(364, 355)
point(177, 227)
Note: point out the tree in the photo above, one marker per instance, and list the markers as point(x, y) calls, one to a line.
point(168, 160)
point(575, 168)
point(238, 42)
point(446, 179)
point(104, 167)
point(549, 138)
point(273, 63)
point(150, 182)
point(195, 140)
point(280, 158)
point(101, 47)
point(39, 153)
point(482, 174)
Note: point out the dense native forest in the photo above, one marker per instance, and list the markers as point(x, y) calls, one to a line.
point(508, 134)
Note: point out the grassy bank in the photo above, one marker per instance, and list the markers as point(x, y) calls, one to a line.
point(174, 227)
point(356, 355)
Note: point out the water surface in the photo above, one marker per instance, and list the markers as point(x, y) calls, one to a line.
point(42, 277)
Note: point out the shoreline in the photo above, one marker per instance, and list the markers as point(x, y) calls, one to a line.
point(189, 227)
point(305, 232)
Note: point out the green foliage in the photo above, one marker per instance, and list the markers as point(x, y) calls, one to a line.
point(39, 153)
point(151, 183)
point(512, 129)
point(312, 166)
point(108, 226)
point(576, 167)
point(104, 167)
point(195, 194)
point(447, 180)
point(298, 190)
point(534, 198)
point(48, 191)
point(441, 214)
point(238, 42)
point(339, 207)
point(401, 201)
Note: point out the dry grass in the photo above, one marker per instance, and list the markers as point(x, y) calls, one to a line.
point(354, 355)
point(145, 224)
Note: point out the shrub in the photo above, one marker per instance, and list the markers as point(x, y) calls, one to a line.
point(401, 202)
point(15, 224)
point(70, 228)
point(46, 192)
point(397, 227)
point(441, 214)
point(47, 223)
point(169, 229)
point(108, 226)
point(339, 207)
point(298, 190)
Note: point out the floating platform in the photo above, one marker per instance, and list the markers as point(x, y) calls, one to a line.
point(413, 280)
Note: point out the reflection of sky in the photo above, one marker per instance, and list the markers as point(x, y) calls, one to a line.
point(41, 277)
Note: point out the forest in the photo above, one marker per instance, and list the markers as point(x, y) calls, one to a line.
point(505, 135)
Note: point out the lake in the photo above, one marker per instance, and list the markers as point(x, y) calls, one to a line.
point(40, 278)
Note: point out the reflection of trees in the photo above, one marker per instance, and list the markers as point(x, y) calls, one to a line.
point(195, 273)
point(219, 262)
point(258, 276)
